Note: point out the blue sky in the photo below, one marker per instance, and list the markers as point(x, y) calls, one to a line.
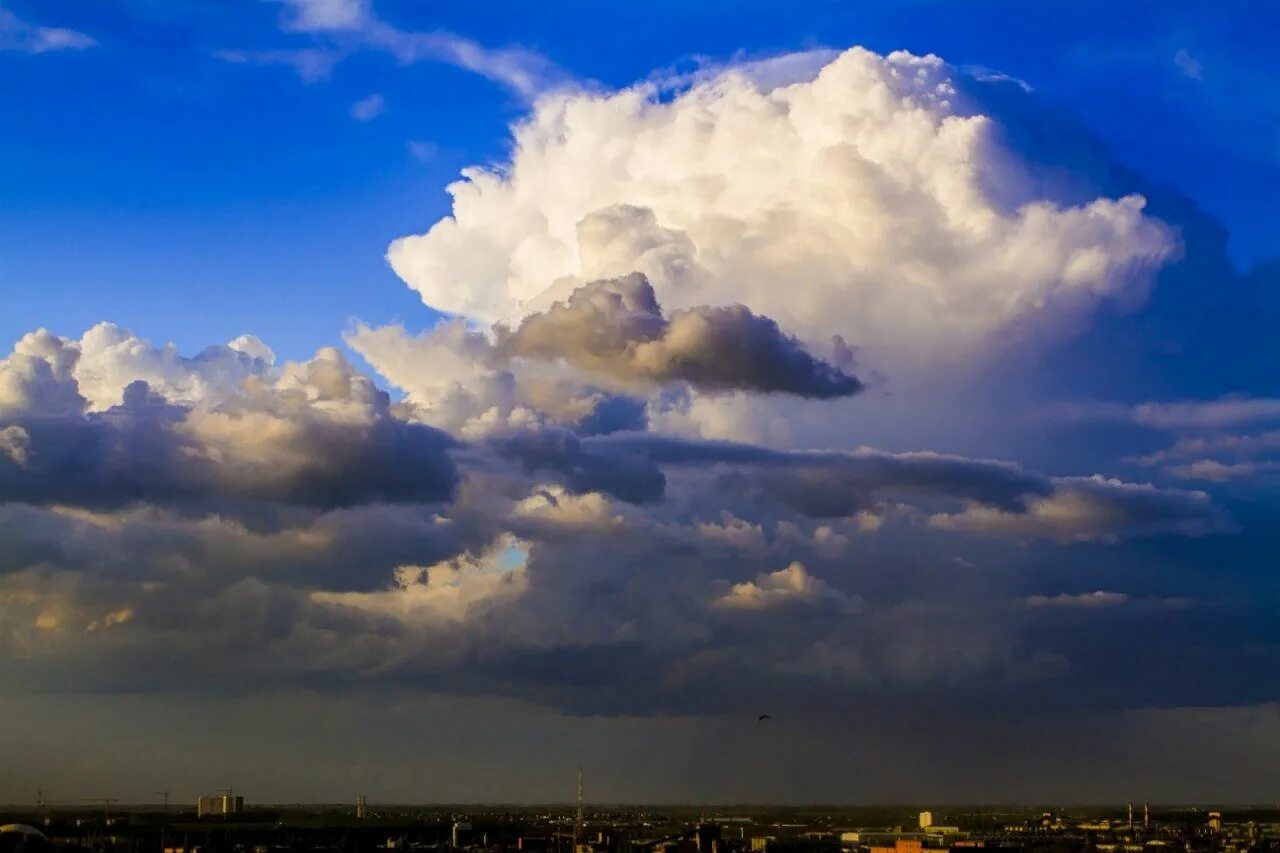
point(144, 173)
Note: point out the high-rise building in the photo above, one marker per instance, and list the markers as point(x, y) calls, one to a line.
point(926, 820)
point(219, 804)
point(362, 807)
point(1215, 821)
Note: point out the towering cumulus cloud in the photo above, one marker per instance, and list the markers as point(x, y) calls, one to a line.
point(535, 497)
point(873, 201)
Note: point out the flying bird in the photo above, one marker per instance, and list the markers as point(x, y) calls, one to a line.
point(763, 717)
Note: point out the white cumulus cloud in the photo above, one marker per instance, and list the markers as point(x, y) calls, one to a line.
point(873, 201)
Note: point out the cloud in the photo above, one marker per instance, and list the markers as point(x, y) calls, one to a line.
point(986, 75)
point(873, 201)
point(1098, 598)
point(311, 15)
point(999, 499)
point(1216, 471)
point(1207, 414)
point(49, 375)
point(792, 586)
point(36, 378)
point(456, 380)
point(835, 484)
point(367, 109)
point(1085, 509)
point(517, 585)
point(423, 152)
point(354, 22)
point(223, 423)
point(559, 451)
point(616, 328)
point(1241, 446)
point(14, 442)
point(535, 515)
point(24, 37)
point(1219, 457)
point(1188, 64)
point(111, 358)
point(1227, 439)
point(333, 538)
point(446, 591)
point(309, 64)
point(523, 72)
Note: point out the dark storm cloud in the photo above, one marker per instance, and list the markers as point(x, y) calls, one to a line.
point(997, 498)
point(831, 484)
point(616, 328)
point(563, 454)
point(270, 446)
point(660, 608)
point(621, 572)
point(338, 549)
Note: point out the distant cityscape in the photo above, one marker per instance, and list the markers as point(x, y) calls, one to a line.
point(224, 822)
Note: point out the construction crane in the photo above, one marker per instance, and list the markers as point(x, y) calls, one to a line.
point(106, 805)
point(165, 795)
point(43, 801)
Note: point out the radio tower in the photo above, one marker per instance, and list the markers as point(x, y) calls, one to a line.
point(577, 824)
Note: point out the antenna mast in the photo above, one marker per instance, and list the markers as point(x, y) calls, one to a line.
point(577, 824)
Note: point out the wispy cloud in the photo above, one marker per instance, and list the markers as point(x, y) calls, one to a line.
point(423, 152)
point(312, 15)
point(1230, 438)
point(984, 74)
point(367, 109)
point(523, 72)
point(1188, 64)
point(309, 64)
point(24, 37)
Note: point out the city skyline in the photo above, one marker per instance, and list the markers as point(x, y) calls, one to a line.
point(744, 403)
